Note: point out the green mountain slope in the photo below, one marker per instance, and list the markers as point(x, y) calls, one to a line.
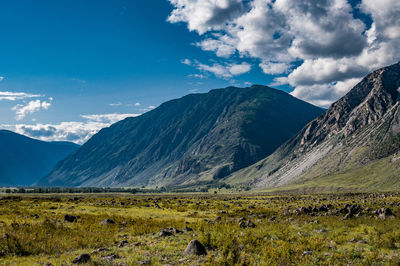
point(354, 145)
point(24, 160)
point(199, 137)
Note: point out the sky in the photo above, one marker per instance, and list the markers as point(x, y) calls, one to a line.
point(69, 68)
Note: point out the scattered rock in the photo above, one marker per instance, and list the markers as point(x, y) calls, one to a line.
point(195, 248)
point(144, 262)
point(123, 243)
point(187, 229)
point(384, 212)
point(107, 221)
point(110, 257)
point(70, 218)
point(351, 210)
point(307, 252)
point(83, 258)
point(245, 224)
point(100, 250)
point(164, 233)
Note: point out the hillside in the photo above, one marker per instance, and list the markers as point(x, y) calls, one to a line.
point(199, 137)
point(354, 145)
point(24, 160)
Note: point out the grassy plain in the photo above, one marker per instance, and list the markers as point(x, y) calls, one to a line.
point(33, 229)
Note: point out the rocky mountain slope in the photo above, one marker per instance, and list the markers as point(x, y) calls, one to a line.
point(199, 137)
point(355, 144)
point(24, 160)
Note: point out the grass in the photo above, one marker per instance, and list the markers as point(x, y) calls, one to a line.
point(33, 230)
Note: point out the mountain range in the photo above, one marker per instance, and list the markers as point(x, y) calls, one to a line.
point(24, 160)
point(197, 138)
point(255, 137)
point(354, 145)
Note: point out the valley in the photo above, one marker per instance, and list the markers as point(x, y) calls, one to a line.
point(235, 229)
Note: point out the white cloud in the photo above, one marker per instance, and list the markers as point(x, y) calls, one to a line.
point(274, 68)
point(1, 78)
point(115, 104)
point(278, 81)
point(14, 96)
point(31, 107)
point(137, 104)
point(204, 15)
point(222, 71)
point(239, 69)
point(324, 94)
point(108, 118)
point(221, 48)
point(199, 76)
point(186, 62)
point(314, 42)
point(78, 132)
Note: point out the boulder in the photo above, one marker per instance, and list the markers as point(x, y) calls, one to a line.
point(70, 218)
point(195, 248)
point(83, 258)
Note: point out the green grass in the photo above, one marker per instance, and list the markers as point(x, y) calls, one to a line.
point(32, 229)
point(378, 175)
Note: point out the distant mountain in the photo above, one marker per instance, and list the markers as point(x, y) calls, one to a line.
point(354, 145)
point(24, 160)
point(199, 137)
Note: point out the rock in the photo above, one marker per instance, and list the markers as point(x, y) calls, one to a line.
point(245, 224)
point(107, 221)
point(70, 218)
point(384, 212)
point(83, 258)
point(164, 233)
point(123, 243)
point(100, 250)
point(250, 224)
point(187, 229)
point(195, 248)
point(110, 257)
point(352, 210)
point(144, 262)
point(176, 231)
point(307, 252)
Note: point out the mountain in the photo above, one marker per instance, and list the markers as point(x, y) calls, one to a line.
point(24, 160)
point(199, 137)
point(354, 145)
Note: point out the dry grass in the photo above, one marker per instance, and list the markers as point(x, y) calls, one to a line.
point(33, 230)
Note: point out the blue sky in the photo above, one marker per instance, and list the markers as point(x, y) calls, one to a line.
point(70, 67)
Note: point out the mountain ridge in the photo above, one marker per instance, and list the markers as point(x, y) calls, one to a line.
point(361, 127)
point(194, 138)
point(24, 160)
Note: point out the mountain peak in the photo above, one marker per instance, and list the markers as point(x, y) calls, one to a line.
point(367, 102)
point(199, 137)
point(344, 144)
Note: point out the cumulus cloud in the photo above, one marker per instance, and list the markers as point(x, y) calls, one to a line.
point(31, 107)
point(223, 71)
point(14, 96)
point(205, 15)
point(199, 76)
point(74, 131)
point(221, 48)
point(317, 44)
point(108, 118)
point(115, 104)
point(274, 68)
